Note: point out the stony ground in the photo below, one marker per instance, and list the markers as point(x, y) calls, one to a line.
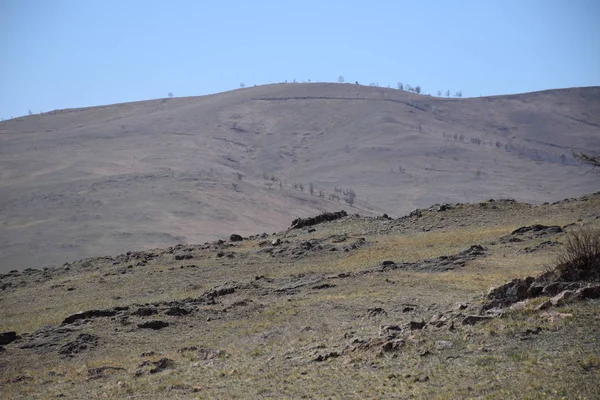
point(355, 307)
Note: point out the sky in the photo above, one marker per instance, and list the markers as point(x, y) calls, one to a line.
point(69, 53)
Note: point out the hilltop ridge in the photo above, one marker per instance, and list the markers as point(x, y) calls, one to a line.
point(84, 182)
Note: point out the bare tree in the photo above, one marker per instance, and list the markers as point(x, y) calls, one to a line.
point(341, 79)
point(418, 89)
point(349, 196)
point(170, 95)
point(400, 86)
point(458, 94)
point(448, 93)
point(242, 85)
point(439, 93)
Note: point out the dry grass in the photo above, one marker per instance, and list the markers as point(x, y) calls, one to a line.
point(268, 345)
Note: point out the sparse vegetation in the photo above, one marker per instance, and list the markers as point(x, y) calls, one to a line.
point(580, 258)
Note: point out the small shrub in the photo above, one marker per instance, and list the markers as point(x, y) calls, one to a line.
point(580, 259)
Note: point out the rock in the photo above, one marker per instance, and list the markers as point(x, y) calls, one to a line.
point(161, 364)
point(276, 242)
point(184, 256)
point(416, 325)
point(376, 312)
point(562, 298)
point(545, 305)
point(393, 345)
point(302, 222)
point(8, 337)
point(327, 356)
point(444, 207)
point(554, 288)
point(389, 330)
point(589, 292)
point(145, 311)
point(387, 263)
point(155, 366)
point(92, 314)
point(84, 341)
point(538, 230)
point(235, 238)
point(324, 286)
point(156, 325)
point(534, 291)
point(511, 292)
point(438, 320)
point(473, 319)
point(177, 311)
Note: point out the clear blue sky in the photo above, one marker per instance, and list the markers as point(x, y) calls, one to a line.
point(62, 54)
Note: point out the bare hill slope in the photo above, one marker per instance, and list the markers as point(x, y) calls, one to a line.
point(91, 181)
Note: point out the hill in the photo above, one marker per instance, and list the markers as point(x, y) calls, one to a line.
point(91, 181)
point(354, 307)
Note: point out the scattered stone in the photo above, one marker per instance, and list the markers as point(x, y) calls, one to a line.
point(84, 341)
point(393, 345)
point(324, 286)
point(528, 333)
point(235, 238)
point(148, 354)
point(156, 325)
point(327, 356)
point(389, 330)
point(183, 256)
point(161, 364)
point(20, 378)
point(97, 373)
point(438, 320)
point(145, 311)
point(8, 337)
point(376, 312)
point(473, 319)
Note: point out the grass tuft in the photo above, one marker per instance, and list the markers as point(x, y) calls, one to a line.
point(580, 259)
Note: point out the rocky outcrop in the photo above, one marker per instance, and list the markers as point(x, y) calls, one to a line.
point(299, 223)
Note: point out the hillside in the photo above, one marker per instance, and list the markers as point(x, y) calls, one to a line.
point(105, 180)
point(355, 307)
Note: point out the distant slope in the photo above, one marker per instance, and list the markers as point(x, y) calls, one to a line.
point(91, 181)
